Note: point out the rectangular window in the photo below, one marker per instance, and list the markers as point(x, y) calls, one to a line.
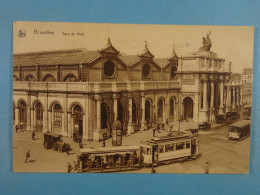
point(180, 146)
point(161, 147)
point(188, 144)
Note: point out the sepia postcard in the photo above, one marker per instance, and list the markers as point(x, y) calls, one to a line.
point(131, 98)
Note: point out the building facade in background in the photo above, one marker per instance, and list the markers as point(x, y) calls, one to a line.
point(83, 91)
point(247, 80)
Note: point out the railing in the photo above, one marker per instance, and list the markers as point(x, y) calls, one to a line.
point(93, 86)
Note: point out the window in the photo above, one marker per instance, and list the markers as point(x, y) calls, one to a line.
point(173, 72)
point(109, 68)
point(22, 112)
point(169, 147)
point(146, 70)
point(171, 106)
point(57, 117)
point(161, 148)
point(180, 146)
point(160, 108)
point(188, 144)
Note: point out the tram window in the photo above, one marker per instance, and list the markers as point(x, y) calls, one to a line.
point(188, 144)
point(161, 147)
point(180, 146)
point(169, 147)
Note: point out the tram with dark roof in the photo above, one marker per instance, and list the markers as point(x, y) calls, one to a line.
point(239, 130)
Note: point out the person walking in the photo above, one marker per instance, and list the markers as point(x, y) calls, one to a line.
point(154, 129)
point(27, 156)
point(75, 167)
point(69, 167)
point(33, 135)
point(16, 128)
point(153, 170)
point(206, 169)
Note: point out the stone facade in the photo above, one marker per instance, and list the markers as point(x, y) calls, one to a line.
point(77, 90)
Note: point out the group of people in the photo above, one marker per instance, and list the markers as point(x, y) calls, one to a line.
point(111, 161)
point(157, 127)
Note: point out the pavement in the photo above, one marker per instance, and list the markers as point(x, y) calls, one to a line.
point(224, 156)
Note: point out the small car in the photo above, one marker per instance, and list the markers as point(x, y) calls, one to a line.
point(204, 125)
point(232, 115)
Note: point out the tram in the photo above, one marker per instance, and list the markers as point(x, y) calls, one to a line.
point(109, 159)
point(154, 152)
point(167, 149)
point(239, 130)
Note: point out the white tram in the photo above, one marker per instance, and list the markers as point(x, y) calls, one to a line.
point(163, 150)
point(239, 130)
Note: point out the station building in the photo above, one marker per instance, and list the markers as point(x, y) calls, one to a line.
point(84, 91)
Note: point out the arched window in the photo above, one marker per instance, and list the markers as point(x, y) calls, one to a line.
point(57, 112)
point(70, 78)
point(22, 114)
point(30, 78)
point(160, 108)
point(49, 78)
point(39, 116)
point(171, 106)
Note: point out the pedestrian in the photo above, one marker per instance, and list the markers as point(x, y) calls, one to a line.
point(16, 128)
point(104, 143)
point(153, 170)
point(69, 167)
point(75, 167)
point(27, 156)
point(206, 169)
point(33, 135)
point(80, 143)
point(67, 149)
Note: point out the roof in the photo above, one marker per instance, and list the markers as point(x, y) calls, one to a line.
point(162, 62)
point(53, 134)
point(241, 123)
point(130, 60)
point(73, 56)
point(115, 149)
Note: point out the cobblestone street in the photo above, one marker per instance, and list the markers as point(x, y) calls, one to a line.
point(224, 156)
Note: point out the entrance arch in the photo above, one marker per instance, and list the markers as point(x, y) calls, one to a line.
point(188, 107)
point(57, 118)
point(160, 108)
point(39, 116)
point(121, 114)
point(77, 114)
point(22, 115)
point(148, 110)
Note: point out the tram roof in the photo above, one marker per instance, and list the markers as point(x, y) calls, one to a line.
point(241, 123)
point(182, 135)
point(115, 149)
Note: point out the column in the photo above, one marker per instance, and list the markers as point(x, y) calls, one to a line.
point(63, 132)
point(143, 112)
point(205, 95)
point(221, 106)
point(90, 119)
point(49, 121)
point(212, 109)
point(234, 98)
point(28, 115)
point(196, 108)
point(32, 120)
point(16, 116)
point(237, 93)
point(115, 106)
point(97, 135)
point(130, 128)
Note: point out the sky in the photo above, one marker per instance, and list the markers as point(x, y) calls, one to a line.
point(233, 43)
